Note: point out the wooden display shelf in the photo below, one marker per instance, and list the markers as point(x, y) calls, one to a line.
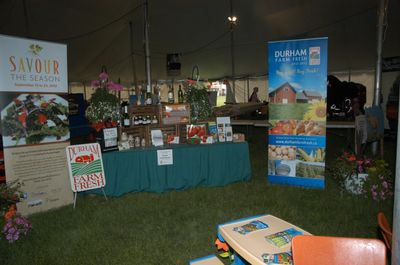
point(175, 113)
point(172, 120)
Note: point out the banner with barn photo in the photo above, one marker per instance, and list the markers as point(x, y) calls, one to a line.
point(297, 112)
point(34, 121)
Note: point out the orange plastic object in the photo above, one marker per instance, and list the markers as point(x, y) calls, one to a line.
point(325, 250)
point(385, 229)
point(221, 245)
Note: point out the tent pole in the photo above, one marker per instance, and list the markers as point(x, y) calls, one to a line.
point(147, 49)
point(396, 206)
point(232, 25)
point(84, 90)
point(378, 69)
point(248, 90)
point(26, 18)
point(134, 83)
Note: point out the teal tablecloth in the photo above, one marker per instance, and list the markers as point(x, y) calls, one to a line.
point(193, 165)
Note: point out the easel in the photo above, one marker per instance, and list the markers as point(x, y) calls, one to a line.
point(79, 159)
point(76, 194)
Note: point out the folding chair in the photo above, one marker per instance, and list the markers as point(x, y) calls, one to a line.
point(326, 250)
point(385, 229)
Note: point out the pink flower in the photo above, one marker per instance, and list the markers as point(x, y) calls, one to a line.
point(385, 184)
point(15, 237)
point(95, 83)
point(103, 76)
point(9, 237)
point(191, 82)
point(114, 86)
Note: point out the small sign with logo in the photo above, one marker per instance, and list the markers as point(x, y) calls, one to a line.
point(85, 167)
point(110, 138)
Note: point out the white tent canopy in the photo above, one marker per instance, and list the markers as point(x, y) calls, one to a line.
point(98, 33)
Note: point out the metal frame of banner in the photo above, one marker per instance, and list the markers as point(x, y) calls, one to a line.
point(76, 195)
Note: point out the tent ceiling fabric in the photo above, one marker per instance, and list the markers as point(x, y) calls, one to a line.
point(97, 33)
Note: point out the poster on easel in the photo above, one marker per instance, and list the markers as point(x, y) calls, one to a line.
point(297, 112)
point(34, 121)
point(85, 168)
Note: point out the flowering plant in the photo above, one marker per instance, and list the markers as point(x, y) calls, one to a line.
point(15, 227)
point(103, 81)
point(9, 195)
point(103, 110)
point(365, 176)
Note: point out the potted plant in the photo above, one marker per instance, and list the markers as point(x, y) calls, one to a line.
point(364, 176)
point(15, 225)
point(103, 111)
point(197, 96)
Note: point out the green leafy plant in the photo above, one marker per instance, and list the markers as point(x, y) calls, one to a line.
point(197, 96)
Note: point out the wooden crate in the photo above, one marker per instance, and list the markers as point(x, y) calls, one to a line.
point(136, 131)
point(146, 110)
point(175, 113)
point(166, 130)
point(182, 133)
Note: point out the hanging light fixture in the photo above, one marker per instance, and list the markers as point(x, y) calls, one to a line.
point(232, 19)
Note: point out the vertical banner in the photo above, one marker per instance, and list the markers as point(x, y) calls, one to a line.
point(297, 112)
point(34, 121)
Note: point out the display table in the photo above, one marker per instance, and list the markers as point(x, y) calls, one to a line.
point(249, 248)
point(136, 170)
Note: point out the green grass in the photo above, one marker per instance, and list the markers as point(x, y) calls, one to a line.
point(174, 227)
point(221, 101)
point(287, 111)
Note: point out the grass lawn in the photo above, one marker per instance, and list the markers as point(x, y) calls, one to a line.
point(174, 227)
point(290, 111)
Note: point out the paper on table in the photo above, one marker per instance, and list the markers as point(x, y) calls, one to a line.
point(157, 138)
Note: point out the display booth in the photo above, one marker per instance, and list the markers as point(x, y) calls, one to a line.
point(167, 146)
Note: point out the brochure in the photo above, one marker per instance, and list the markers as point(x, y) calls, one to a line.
point(282, 238)
point(278, 258)
point(222, 124)
point(213, 130)
point(250, 227)
point(157, 138)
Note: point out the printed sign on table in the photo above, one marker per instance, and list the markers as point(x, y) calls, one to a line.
point(34, 121)
point(297, 111)
point(165, 157)
point(85, 167)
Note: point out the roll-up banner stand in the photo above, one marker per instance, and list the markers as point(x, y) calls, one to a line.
point(34, 121)
point(297, 112)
